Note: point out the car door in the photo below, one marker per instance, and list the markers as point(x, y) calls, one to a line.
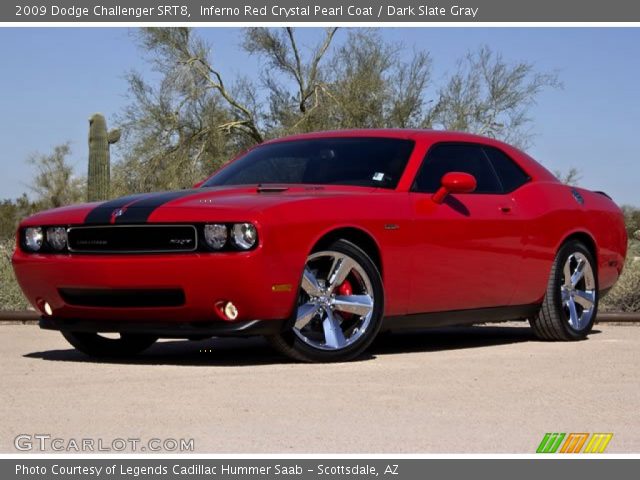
point(468, 249)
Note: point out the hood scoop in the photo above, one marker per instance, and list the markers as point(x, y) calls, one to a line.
point(271, 189)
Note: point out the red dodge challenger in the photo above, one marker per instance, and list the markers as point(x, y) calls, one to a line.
point(319, 241)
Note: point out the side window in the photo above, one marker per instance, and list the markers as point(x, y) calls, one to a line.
point(467, 158)
point(510, 174)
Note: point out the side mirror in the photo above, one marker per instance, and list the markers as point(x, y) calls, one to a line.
point(454, 182)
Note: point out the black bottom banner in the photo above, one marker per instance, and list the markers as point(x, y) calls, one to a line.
point(304, 468)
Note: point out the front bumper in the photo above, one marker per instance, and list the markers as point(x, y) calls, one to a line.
point(248, 279)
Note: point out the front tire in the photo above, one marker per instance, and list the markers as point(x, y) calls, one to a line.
point(339, 309)
point(570, 305)
point(96, 345)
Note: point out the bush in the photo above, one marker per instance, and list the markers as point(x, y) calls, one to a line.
point(625, 295)
point(11, 297)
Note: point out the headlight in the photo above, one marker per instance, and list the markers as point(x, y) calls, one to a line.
point(33, 238)
point(244, 235)
point(216, 235)
point(57, 238)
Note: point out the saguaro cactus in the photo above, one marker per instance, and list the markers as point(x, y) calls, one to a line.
point(99, 162)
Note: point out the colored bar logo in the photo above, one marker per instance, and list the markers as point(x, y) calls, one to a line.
point(573, 442)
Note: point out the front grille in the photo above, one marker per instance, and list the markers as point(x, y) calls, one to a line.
point(123, 298)
point(133, 239)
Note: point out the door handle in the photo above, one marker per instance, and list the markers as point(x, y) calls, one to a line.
point(505, 209)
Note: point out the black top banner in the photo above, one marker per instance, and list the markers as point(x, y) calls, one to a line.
point(325, 11)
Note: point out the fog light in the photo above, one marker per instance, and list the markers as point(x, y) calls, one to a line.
point(230, 311)
point(47, 309)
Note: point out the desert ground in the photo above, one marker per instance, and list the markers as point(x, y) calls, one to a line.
point(458, 390)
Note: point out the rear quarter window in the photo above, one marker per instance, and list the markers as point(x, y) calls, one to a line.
point(509, 172)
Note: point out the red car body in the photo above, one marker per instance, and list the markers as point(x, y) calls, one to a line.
point(474, 253)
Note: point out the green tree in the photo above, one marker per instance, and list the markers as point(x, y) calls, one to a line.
point(54, 183)
point(631, 220)
point(489, 96)
point(570, 177)
point(189, 120)
point(371, 86)
point(8, 218)
point(176, 131)
point(294, 83)
point(12, 211)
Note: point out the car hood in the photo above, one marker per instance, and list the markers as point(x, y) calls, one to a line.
point(230, 203)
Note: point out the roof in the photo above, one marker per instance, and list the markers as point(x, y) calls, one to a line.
point(406, 133)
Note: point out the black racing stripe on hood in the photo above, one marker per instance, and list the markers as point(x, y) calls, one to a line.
point(140, 211)
point(102, 213)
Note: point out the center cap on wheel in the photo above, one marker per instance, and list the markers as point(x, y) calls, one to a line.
point(324, 300)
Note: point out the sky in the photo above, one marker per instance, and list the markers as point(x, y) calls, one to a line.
point(53, 79)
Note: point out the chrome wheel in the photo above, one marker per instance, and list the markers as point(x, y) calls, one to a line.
point(570, 305)
point(578, 291)
point(339, 307)
point(336, 302)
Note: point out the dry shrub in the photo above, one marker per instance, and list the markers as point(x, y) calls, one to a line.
point(625, 295)
point(11, 297)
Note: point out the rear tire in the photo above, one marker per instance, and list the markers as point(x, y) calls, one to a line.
point(98, 346)
point(339, 309)
point(570, 305)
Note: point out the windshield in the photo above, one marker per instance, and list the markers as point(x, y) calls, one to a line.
point(366, 162)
